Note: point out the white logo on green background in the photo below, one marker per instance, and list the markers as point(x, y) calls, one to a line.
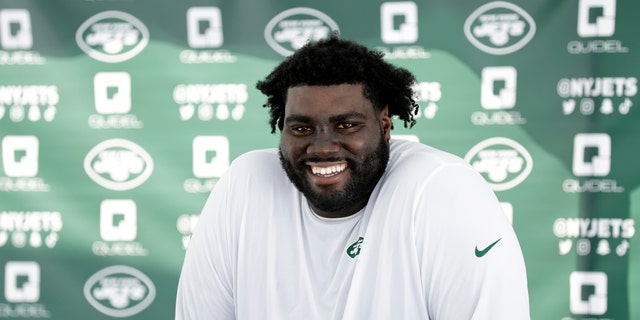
point(112, 36)
point(499, 28)
point(112, 92)
point(210, 156)
point(204, 27)
point(603, 25)
point(15, 29)
point(118, 220)
point(27, 290)
point(598, 164)
point(405, 32)
point(498, 87)
point(291, 29)
point(503, 162)
point(596, 302)
point(119, 291)
point(20, 156)
point(118, 164)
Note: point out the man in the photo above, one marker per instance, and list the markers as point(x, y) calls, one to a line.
point(341, 222)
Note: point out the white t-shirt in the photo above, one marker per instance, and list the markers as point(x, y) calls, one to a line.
point(431, 243)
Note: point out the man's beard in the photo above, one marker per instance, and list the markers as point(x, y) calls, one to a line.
point(364, 176)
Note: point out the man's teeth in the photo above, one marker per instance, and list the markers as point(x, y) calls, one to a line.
point(328, 170)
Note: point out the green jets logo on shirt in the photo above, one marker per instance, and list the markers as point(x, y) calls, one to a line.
point(354, 249)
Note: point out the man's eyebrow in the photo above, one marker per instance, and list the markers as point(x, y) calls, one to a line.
point(333, 119)
point(297, 118)
point(346, 116)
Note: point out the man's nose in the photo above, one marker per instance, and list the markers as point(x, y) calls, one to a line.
point(324, 144)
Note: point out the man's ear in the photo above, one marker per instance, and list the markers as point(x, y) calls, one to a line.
point(385, 122)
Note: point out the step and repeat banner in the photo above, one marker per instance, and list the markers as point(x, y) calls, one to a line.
point(117, 118)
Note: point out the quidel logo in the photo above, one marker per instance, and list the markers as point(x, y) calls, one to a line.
point(22, 291)
point(291, 29)
point(17, 38)
point(210, 162)
point(210, 156)
point(118, 220)
point(112, 92)
point(112, 36)
point(497, 95)
point(119, 291)
point(503, 162)
point(399, 31)
point(498, 88)
point(603, 25)
point(118, 229)
point(499, 28)
point(596, 26)
point(205, 37)
point(204, 27)
point(407, 30)
point(596, 302)
point(591, 164)
point(118, 164)
point(27, 290)
point(598, 164)
point(15, 29)
point(20, 156)
point(112, 97)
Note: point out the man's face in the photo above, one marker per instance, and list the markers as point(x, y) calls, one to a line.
point(334, 146)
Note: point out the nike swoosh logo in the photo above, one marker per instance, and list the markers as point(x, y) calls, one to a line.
point(481, 253)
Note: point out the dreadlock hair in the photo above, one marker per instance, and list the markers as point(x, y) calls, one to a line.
point(335, 61)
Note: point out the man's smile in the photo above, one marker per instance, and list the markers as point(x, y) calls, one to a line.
point(326, 172)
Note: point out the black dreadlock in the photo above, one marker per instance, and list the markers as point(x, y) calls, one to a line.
point(334, 61)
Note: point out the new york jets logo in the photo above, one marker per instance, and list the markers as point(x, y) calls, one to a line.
point(499, 28)
point(292, 28)
point(119, 291)
point(503, 162)
point(112, 36)
point(354, 249)
point(118, 164)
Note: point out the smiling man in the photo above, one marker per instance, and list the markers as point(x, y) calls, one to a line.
point(341, 221)
point(328, 149)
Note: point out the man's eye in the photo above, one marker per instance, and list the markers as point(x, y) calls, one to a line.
point(345, 125)
point(301, 129)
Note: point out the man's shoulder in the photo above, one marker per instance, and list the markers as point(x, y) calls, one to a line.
point(254, 170)
point(408, 153)
point(260, 161)
point(259, 156)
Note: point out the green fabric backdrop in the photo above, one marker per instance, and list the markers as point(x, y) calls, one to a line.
point(117, 117)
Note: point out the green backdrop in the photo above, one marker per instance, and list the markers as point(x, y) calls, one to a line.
point(117, 117)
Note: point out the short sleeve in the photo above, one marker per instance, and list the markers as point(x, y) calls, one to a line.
point(471, 261)
point(205, 287)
